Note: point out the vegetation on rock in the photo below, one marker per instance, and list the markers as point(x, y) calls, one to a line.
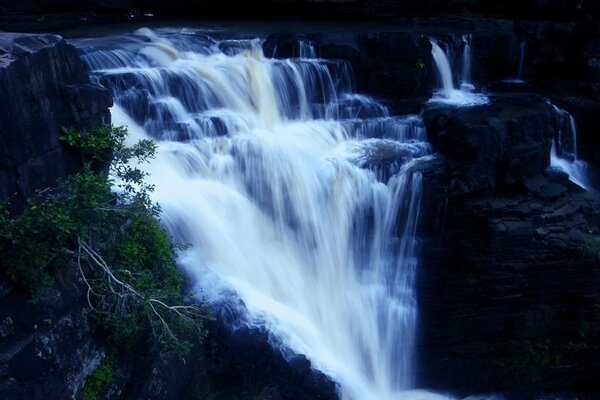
point(105, 228)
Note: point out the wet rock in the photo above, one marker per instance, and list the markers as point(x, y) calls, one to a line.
point(249, 353)
point(378, 60)
point(48, 88)
point(552, 190)
point(45, 350)
point(507, 297)
point(6, 327)
point(492, 145)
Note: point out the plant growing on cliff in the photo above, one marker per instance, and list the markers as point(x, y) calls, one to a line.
point(100, 380)
point(590, 249)
point(113, 239)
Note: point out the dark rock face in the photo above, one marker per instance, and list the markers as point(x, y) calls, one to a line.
point(491, 145)
point(514, 305)
point(44, 350)
point(244, 361)
point(46, 87)
point(508, 294)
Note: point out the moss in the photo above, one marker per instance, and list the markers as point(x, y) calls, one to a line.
point(98, 383)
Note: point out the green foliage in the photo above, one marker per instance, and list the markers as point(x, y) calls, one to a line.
point(420, 64)
point(590, 249)
point(113, 239)
point(100, 380)
point(97, 144)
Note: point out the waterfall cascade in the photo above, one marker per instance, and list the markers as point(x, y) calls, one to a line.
point(294, 193)
point(563, 155)
point(448, 94)
point(518, 61)
point(465, 82)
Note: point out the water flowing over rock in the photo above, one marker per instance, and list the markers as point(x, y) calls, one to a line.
point(269, 168)
point(283, 163)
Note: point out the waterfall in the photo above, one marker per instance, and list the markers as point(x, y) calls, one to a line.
point(465, 83)
point(448, 94)
point(443, 68)
point(295, 194)
point(521, 60)
point(518, 61)
point(563, 154)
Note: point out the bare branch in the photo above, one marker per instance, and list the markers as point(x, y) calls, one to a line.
point(123, 292)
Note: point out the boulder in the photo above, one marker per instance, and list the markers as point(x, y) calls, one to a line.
point(491, 145)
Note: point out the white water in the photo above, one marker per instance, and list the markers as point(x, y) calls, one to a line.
point(269, 170)
point(465, 82)
point(448, 94)
point(518, 78)
point(563, 155)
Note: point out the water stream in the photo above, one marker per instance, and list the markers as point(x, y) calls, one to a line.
point(563, 155)
point(519, 60)
point(465, 81)
point(448, 93)
point(295, 194)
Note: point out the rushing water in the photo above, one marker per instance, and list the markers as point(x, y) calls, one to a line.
point(519, 59)
point(563, 155)
point(448, 94)
point(465, 81)
point(294, 193)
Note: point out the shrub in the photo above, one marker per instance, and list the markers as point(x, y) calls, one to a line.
point(113, 239)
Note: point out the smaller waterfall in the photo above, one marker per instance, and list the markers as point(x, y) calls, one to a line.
point(521, 59)
point(448, 94)
point(518, 78)
point(443, 68)
point(563, 155)
point(465, 83)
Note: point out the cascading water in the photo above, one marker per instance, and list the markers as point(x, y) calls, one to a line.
point(465, 83)
point(448, 94)
point(294, 193)
point(518, 61)
point(522, 46)
point(563, 155)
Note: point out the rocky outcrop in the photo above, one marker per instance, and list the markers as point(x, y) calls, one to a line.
point(43, 354)
point(491, 145)
point(508, 280)
point(46, 87)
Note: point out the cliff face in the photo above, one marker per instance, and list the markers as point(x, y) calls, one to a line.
point(508, 284)
point(45, 87)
